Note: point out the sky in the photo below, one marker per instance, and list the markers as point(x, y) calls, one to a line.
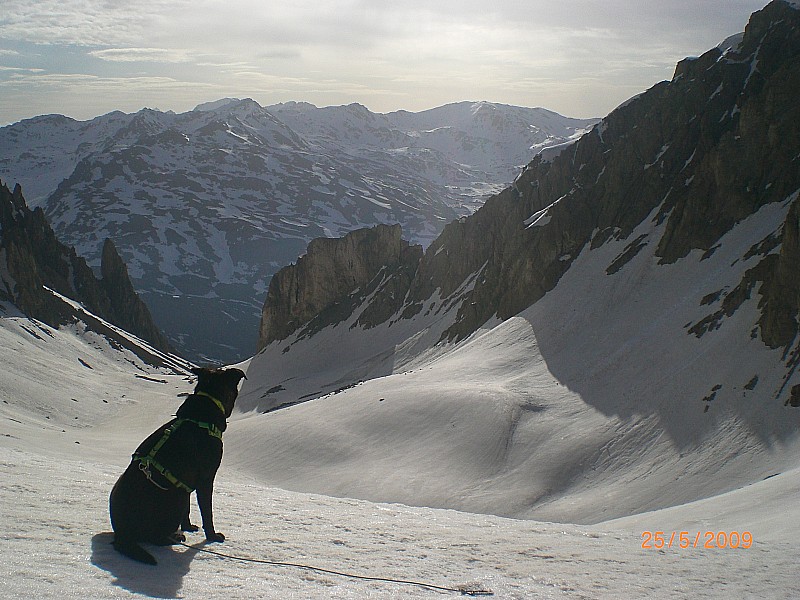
point(581, 58)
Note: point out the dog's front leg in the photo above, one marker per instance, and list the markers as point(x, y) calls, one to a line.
point(204, 494)
point(186, 523)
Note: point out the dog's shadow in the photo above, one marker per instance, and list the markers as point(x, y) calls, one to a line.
point(161, 581)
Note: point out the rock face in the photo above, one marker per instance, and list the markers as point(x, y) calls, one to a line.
point(332, 278)
point(31, 258)
point(702, 151)
point(128, 310)
point(690, 158)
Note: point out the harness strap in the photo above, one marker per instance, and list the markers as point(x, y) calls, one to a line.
point(216, 401)
point(213, 430)
point(144, 466)
point(145, 462)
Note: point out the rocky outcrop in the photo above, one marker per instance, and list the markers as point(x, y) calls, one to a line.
point(205, 206)
point(781, 289)
point(128, 310)
point(333, 276)
point(32, 259)
point(695, 155)
point(701, 152)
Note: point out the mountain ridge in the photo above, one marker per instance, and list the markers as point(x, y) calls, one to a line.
point(552, 210)
point(205, 206)
point(37, 271)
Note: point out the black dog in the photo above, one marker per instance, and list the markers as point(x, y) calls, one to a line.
point(150, 501)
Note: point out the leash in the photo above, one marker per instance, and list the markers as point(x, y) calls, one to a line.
point(467, 589)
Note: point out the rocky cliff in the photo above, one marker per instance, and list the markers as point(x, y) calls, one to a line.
point(335, 276)
point(702, 152)
point(32, 259)
point(682, 164)
point(205, 206)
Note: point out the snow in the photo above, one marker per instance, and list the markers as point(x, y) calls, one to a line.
point(57, 471)
point(542, 217)
point(689, 160)
point(658, 157)
point(753, 65)
point(202, 218)
point(731, 43)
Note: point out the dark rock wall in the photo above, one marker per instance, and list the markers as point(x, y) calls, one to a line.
point(328, 274)
point(698, 154)
point(706, 149)
point(34, 258)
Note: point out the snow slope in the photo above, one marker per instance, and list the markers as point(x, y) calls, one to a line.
point(595, 403)
point(68, 429)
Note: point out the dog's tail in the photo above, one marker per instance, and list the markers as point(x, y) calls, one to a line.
point(133, 550)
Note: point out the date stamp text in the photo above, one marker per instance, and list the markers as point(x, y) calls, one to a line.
point(657, 540)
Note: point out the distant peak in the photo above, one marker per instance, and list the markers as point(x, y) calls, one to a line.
point(294, 105)
point(483, 109)
point(209, 106)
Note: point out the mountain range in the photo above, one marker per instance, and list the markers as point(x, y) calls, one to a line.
point(617, 331)
point(205, 206)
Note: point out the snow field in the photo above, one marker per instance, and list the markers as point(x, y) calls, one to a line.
point(559, 414)
point(595, 403)
point(58, 546)
point(55, 476)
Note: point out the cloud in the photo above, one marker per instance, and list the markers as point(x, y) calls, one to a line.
point(142, 55)
point(84, 96)
point(581, 57)
point(79, 22)
point(20, 69)
point(267, 30)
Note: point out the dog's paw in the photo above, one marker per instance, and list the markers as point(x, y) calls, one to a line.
point(190, 527)
point(214, 536)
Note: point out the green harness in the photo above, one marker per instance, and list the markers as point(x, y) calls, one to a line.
point(149, 461)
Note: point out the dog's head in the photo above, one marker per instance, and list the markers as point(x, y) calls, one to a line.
point(222, 384)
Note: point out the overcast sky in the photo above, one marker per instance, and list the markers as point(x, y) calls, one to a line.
point(581, 58)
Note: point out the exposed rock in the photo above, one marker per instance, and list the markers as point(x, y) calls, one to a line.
point(34, 258)
point(702, 151)
point(794, 398)
point(781, 290)
point(695, 155)
point(332, 270)
point(205, 206)
point(129, 311)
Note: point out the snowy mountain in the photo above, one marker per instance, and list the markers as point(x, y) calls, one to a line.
point(616, 332)
point(206, 205)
